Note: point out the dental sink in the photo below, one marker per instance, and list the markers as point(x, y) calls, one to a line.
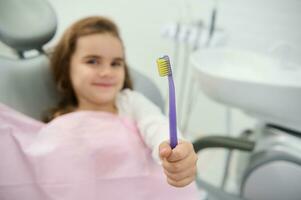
point(263, 87)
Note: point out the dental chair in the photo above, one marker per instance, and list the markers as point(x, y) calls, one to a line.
point(25, 83)
point(270, 170)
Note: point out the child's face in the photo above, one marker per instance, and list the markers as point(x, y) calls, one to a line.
point(97, 71)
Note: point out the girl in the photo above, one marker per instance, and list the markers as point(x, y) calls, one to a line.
point(91, 74)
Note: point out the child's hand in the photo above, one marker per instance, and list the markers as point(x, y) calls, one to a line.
point(179, 163)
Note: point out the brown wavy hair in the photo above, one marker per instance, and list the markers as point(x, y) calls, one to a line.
point(61, 57)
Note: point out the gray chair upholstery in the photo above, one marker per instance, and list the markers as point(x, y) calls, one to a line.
point(26, 24)
point(26, 85)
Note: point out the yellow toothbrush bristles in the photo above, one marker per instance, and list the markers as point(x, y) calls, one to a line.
point(164, 66)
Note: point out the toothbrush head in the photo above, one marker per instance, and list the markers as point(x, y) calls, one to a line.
point(164, 66)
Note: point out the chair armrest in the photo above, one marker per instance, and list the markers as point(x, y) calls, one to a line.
point(223, 142)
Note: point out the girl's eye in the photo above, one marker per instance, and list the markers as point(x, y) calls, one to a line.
point(92, 61)
point(117, 64)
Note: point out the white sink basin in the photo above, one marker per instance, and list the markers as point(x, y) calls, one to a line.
point(265, 88)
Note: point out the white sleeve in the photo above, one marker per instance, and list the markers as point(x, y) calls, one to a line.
point(152, 123)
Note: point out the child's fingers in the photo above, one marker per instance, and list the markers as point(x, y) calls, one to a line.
point(180, 152)
point(164, 150)
point(180, 166)
point(190, 172)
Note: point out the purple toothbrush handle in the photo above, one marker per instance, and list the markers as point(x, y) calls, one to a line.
point(172, 114)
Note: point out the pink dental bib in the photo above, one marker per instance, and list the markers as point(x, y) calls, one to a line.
point(82, 155)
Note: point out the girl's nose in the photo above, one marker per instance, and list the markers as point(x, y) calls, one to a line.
point(105, 70)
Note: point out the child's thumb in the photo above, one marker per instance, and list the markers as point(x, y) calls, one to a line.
point(164, 150)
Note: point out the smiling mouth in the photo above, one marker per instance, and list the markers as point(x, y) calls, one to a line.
point(106, 85)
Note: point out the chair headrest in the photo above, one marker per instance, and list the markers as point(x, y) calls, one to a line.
point(26, 24)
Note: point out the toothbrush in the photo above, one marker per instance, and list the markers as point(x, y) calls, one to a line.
point(164, 69)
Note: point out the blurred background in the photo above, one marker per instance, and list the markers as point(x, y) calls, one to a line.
point(183, 29)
